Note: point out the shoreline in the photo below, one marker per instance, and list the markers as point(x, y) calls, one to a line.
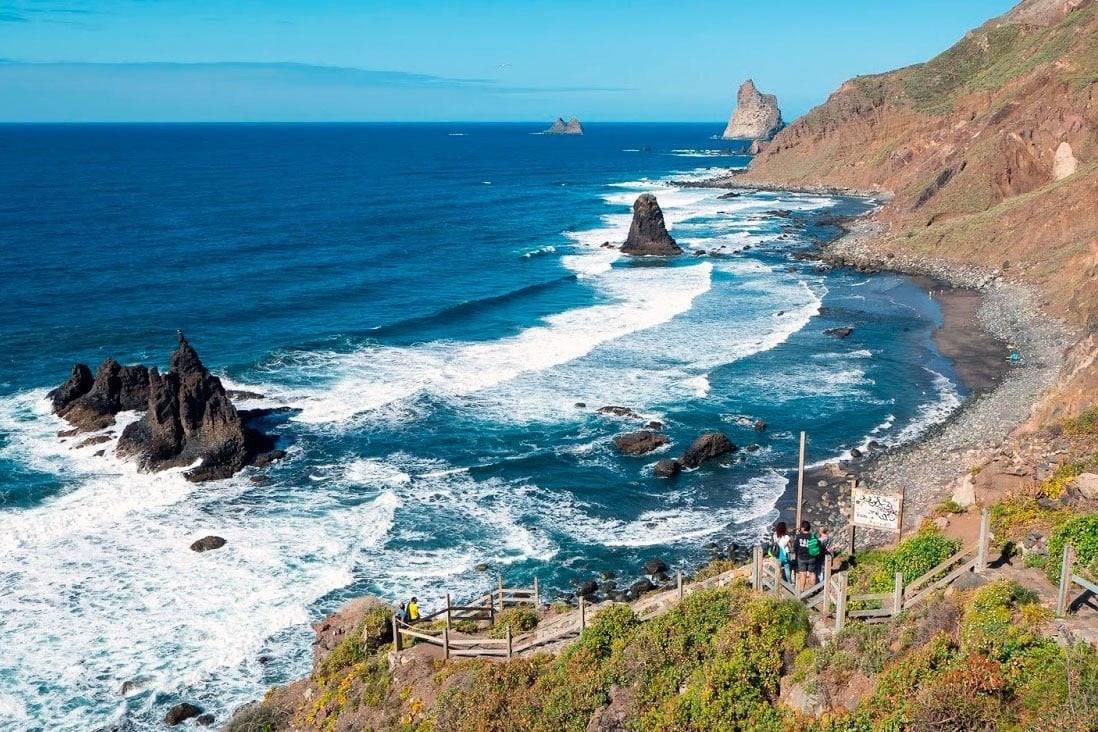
point(983, 319)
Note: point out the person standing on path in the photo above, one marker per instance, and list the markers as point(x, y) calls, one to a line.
point(806, 559)
point(413, 610)
point(782, 543)
point(825, 553)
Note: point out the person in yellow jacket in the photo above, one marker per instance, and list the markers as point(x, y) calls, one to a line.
point(413, 610)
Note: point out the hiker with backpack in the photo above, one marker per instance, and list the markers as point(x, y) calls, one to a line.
point(780, 546)
point(808, 549)
point(825, 553)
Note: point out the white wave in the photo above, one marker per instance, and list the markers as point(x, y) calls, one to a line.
point(947, 400)
point(549, 249)
point(376, 376)
point(114, 593)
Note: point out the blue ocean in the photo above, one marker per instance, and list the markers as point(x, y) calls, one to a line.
point(433, 304)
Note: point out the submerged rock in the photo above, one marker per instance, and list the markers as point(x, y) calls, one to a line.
point(707, 447)
point(839, 333)
point(619, 412)
point(207, 543)
point(756, 116)
point(648, 235)
point(560, 127)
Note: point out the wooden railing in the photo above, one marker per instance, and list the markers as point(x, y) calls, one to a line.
point(1069, 578)
point(889, 604)
point(828, 596)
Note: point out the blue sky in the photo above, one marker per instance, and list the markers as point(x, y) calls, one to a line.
point(428, 60)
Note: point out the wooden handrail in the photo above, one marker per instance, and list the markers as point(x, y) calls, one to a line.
point(915, 584)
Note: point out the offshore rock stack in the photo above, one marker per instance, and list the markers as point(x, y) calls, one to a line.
point(648, 235)
point(188, 416)
point(756, 117)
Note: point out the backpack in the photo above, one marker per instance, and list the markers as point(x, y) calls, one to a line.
point(783, 555)
point(813, 546)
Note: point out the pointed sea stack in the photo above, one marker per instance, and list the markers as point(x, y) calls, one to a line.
point(188, 416)
point(648, 235)
point(756, 116)
point(560, 127)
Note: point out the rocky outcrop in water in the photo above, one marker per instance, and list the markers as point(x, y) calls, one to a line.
point(91, 404)
point(648, 235)
point(756, 116)
point(639, 443)
point(707, 447)
point(560, 127)
point(188, 416)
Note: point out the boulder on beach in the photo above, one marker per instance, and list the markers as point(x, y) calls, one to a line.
point(639, 443)
point(560, 127)
point(707, 447)
point(648, 235)
point(756, 116)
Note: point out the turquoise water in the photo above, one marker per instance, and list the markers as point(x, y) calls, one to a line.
point(432, 303)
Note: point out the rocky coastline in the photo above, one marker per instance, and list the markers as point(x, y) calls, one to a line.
point(1003, 393)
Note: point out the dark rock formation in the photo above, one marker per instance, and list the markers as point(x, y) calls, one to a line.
point(639, 443)
point(619, 412)
point(180, 713)
point(204, 720)
point(640, 587)
point(667, 468)
point(756, 116)
point(207, 543)
point(654, 566)
point(190, 418)
point(188, 415)
point(839, 333)
point(707, 447)
point(90, 404)
point(572, 127)
point(648, 234)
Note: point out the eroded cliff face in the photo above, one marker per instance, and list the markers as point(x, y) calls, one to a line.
point(990, 150)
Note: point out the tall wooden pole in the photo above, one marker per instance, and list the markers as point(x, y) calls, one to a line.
point(800, 485)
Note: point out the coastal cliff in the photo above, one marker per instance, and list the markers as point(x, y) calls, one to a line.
point(989, 154)
point(756, 116)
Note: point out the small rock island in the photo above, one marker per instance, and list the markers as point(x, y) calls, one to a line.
point(756, 116)
point(188, 415)
point(560, 127)
point(648, 235)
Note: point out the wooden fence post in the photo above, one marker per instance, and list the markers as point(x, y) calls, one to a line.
point(398, 644)
point(501, 593)
point(583, 615)
point(840, 604)
point(756, 568)
point(537, 597)
point(1065, 580)
point(678, 576)
point(826, 611)
point(508, 640)
point(850, 538)
point(898, 594)
point(447, 609)
point(981, 552)
point(446, 643)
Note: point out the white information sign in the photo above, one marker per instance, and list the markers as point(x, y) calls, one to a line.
point(877, 510)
